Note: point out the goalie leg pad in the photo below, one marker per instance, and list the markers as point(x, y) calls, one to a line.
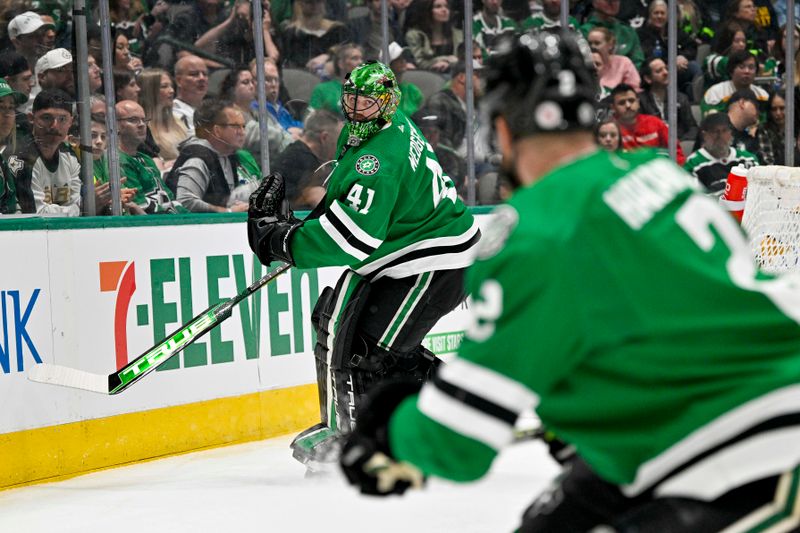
point(334, 320)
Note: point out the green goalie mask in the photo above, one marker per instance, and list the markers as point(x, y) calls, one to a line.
point(370, 96)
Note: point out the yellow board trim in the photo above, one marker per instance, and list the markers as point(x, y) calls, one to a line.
point(42, 454)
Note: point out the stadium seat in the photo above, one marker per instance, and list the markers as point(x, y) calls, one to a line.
point(299, 83)
point(687, 147)
point(428, 82)
point(355, 12)
point(215, 81)
point(696, 113)
point(702, 52)
point(698, 88)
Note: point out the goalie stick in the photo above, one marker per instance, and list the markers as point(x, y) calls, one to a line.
point(173, 344)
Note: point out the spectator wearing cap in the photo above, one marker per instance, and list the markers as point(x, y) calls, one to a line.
point(449, 104)
point(637, 129)
point(302, 163)
point(191, 80)
point(31, 36)
point(9, 100)
point(742, 68)
point(54, 71)
point(490, 26)
point(743, 112)
point(411, 98)
point(717, 156)
point(46, 170)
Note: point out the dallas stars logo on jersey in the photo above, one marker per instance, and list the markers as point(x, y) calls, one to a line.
point(367, 165)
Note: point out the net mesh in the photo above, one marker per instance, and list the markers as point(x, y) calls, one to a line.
point(772, 217)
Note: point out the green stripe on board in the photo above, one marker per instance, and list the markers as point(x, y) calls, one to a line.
point(18, 223)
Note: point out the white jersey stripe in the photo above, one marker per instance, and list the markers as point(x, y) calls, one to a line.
point(427, 264)
point(488, 384)
point(334, 234)
point(421, 245)
point(354, 228)
point(762, 455)
point(776, 403)
point(464, 419)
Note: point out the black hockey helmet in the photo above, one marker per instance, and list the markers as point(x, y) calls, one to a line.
point(543, 82)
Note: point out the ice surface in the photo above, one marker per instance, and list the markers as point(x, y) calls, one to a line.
point(258, 487)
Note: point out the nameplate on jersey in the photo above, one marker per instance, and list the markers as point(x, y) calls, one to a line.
point(640, 194)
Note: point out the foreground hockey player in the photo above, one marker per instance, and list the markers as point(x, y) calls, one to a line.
point(625, 307)
point(394, 219)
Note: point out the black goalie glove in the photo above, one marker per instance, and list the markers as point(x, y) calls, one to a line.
point(269, 200)
point(271, 222)
point(366, 458)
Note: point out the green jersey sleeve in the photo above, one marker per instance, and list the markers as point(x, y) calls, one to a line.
point(390, 210)
point(626, 307)
point(352, 227)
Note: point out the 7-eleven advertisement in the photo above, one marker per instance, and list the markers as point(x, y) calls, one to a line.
point(95, 299)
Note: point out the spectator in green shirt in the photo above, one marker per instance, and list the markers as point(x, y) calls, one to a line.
point(411, 97)
point(9, 100)
point(139, 169)
point(548, 18)
point(604, 13)
point(102, 189)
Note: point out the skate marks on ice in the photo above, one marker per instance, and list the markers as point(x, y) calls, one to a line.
point(258, 487)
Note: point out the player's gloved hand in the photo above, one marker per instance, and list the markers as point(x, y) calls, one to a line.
point(270, 238)
point(366, 459)
point(269, 199)
point(271, 222)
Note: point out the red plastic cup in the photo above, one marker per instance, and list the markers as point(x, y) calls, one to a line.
point(735, 192)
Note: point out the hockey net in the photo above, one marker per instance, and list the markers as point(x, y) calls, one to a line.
point(772, 217)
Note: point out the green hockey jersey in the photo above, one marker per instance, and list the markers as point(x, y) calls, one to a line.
point(390, 210)
point(624, 306)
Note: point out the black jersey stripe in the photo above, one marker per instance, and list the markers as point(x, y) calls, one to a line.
point(347, 234)
point(778, 422)
point(476, 402)
point(427, 252)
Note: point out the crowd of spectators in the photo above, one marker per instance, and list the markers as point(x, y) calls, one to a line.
point(186, 107)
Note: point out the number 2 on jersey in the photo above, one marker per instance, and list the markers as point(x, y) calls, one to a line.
point(699, 215)
point(354, 197)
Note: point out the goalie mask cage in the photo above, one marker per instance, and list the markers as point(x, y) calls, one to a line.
point(772, 217)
